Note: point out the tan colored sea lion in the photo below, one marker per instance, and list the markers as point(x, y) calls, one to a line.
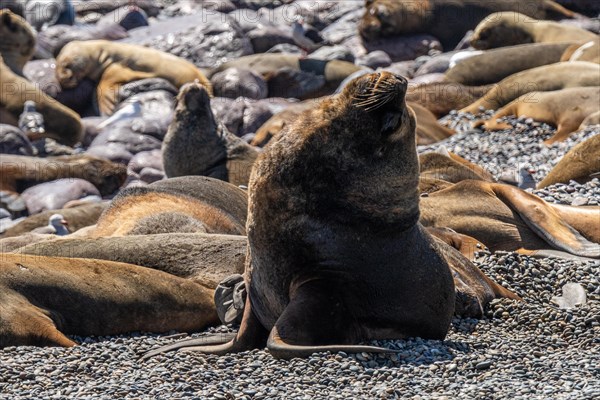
point(61, 123)
point(450, 167)
point(267, 64)
point(581, 164)
point(197, 144)
point(18, 41)
point(442, 97)
point(447, 20)
point(494, 65)
point(588, 51)
point(79, 217)
point(512, 28)
point(557, 76)
point(566, 109)
point(336, 254)
point(206, 205)
point(206, 259)
point(429, 130)
point(19, 172)
point(507, 218)
point(43, 299)
point(114, 64)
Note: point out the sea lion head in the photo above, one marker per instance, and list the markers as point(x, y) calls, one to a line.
point(391, 17)
point(193, 101)
point(502, 29)
point(17, 35)
point(353, 159)
point(72, 65)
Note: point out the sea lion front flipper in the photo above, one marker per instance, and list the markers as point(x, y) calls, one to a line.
point(300, 323)
point(546, 222)
point(112, 79)
point(251, 335)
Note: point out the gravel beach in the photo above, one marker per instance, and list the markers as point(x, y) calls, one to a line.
point(519, 350)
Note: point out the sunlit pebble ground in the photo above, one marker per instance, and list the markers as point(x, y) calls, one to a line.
point(519, 350)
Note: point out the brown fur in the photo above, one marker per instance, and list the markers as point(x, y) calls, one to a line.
point(19, 172)
point(451, 168)
point(448, 20)
point(206, 259)
point(557, 76)
point(494, 65)
point(42, 299)
point(441, 98)
point(429, 130)
point(78, 218)
point(18, 41)
point(114, 64)
point(566, 109)
point(336, 255)
point(197, 144)
point(512, 28)
point(579, 164)
point(61, 123)
point(218, 206)
point(506, 218)
point(279, 121)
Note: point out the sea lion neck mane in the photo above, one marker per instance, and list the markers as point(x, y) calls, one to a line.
point(370, 128)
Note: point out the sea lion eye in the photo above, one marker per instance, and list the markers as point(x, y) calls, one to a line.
point(390, 123)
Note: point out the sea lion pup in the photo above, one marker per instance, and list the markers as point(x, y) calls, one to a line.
point(566, 109)
point(18, 41)
point(447, 20)
point(217, 206)
point(197, 144)
point(268, 64)
point(113, 64)
point(20, 172)
point(589, 51)
point(580, 164)
point(512, 28)
point(61, 123)
point(494, 65)
point(42, 299)
point(79, 217)
point(336, 254)
point(507, 218)
point(557, 76)
point(442, 97)
point(206, 259)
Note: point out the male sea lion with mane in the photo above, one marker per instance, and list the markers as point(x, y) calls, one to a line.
point(336, 255)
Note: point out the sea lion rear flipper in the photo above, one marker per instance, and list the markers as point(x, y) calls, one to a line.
point(113, 77)
point(251, 335)
point(546, 222)
point(300, 322)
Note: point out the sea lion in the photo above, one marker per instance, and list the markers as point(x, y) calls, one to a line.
point(268, 64)
point(18, 41)
point(443, 97)
point(218, 206)
point(20, 172)
point(580, 164)
point(448, 20)
point(279, 121)
point(206, 259)
point(506, 218)
point(197, 144)
point(60, 122)
point(512, 28)
point(566, 109)
point(450, 167)
point(588, 51)
point(42, 299)
point(546, 78)
point(429, 130)
point(113, 64)
point(336, 254)
point(494, 65)
point(79, 217)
